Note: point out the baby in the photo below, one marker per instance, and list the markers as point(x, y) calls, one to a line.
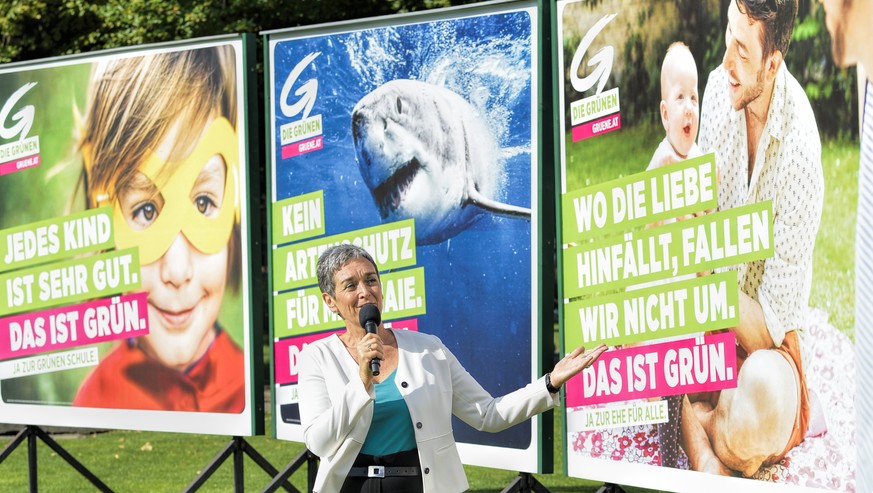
point(680, 113)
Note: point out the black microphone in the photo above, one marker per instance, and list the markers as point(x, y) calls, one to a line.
point(370, 318)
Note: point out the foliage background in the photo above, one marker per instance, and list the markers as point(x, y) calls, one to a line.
point(42, 28)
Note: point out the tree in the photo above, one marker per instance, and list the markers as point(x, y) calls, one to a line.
point(831, 90)
point(34, 29)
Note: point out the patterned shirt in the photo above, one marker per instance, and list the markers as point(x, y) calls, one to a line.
point(787, 171)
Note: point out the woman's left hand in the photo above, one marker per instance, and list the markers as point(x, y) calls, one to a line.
point(574, 362)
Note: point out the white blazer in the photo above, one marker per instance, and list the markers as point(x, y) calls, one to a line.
point(336, 411)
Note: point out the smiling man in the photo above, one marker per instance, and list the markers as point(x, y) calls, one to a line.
point(757, 119)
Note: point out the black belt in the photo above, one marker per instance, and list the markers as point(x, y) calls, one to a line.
point(383, 471)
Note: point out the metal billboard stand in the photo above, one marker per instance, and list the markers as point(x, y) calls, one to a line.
point(524, 483)
point(610, 488)
point(237, 446)
point(305, 457)
point(31, 433)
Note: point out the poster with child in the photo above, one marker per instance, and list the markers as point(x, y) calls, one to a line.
point(125, 291)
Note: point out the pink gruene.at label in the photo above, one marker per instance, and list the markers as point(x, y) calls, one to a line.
point(303, 147)
point(596, 127)
point(19, 164)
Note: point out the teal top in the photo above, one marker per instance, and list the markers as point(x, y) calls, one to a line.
point(391, 429)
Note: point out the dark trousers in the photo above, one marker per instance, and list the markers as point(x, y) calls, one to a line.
point(398, 484)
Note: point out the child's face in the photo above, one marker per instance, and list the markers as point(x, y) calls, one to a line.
point(185, 285)
point(679, 108)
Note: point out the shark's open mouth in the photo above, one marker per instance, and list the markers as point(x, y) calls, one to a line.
point(390, 193)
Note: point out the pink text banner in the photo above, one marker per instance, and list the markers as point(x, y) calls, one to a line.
point(691, 365)
point(102, 320)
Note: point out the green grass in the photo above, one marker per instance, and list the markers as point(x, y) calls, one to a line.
point(139, 461)
point(135, 461)
point(833, 278)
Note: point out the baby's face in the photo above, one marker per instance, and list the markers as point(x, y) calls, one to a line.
point(185, 285)
point(679, 110)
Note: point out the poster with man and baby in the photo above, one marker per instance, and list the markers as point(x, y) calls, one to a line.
point(416, 139)
point(706, 222)
point(125, 283)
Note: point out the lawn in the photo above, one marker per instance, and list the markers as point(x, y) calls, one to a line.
point(833, 284)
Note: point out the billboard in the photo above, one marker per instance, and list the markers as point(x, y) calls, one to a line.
point(415, 137)
point(126, 286)
point(713, 263)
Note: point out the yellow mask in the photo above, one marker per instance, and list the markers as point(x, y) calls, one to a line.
point(179, 213)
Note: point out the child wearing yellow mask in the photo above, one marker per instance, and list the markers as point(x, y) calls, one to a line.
point(159, 145)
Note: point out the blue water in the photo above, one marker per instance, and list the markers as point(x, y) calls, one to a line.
point(478, 283)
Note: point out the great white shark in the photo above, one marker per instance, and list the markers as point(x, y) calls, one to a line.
point(426, 153)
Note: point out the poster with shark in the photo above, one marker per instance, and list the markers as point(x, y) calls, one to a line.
point(414, 137)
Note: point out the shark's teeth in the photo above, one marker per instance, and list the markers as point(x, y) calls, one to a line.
point(390, 193)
